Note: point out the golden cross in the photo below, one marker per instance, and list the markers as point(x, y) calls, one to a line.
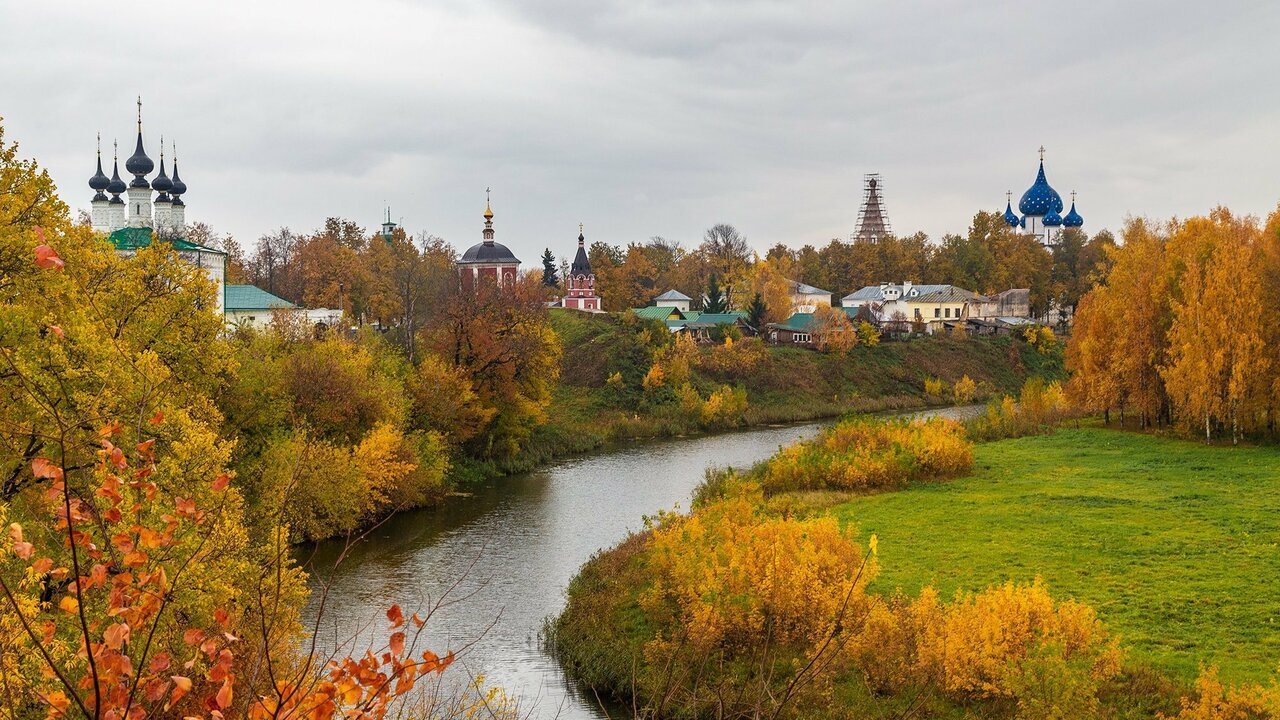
point(1041, 153)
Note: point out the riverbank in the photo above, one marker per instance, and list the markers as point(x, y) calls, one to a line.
point(1165, 538)
point(601, 397)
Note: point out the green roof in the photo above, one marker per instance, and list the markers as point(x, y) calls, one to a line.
point(658, 313)
point(251, 297)
point(798, 322)
point(692, 315)
point(727, 318)
point(132, 238)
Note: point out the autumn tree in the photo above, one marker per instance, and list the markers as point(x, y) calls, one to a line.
point(832, 330)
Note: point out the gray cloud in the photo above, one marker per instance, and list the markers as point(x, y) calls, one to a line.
point(656, 117)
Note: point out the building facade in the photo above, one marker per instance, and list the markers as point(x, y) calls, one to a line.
point(580, 286)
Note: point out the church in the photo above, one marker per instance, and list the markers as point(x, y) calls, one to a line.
point(129, 224)
point(488, 259)
point(1041, 208)
point(580, 285)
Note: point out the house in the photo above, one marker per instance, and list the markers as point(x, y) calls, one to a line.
point(928, 305)
point(673, 299)
point(807, 298)
point(249, 305)
point(702, 325)
point(795, 330)
point(1014, 303)
point(666, 314)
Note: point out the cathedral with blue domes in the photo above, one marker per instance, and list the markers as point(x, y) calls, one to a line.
point(1041, 207)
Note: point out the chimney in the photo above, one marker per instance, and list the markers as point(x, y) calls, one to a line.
point(906, 288)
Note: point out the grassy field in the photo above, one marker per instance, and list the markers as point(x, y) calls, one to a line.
point(1177, 545)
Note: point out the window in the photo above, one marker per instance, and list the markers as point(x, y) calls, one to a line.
point(937, 312)
point(800, 337)
point(946, 312)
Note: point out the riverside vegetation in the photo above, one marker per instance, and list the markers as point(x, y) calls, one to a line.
point(892, 568)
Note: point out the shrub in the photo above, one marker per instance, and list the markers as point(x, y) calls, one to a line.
point(1214, 701)
point(965, 390)
point(1041, 406)
point(934, 388)
point(865, 454)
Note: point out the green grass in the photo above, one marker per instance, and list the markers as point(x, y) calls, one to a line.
point(1175, 544)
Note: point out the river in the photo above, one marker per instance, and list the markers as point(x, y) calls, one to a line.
point(511, 549)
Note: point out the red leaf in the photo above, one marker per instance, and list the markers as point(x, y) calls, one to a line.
point(157, 418)
point(57, 331)
point(395, 615)
point(397, 644)
point(220, 482)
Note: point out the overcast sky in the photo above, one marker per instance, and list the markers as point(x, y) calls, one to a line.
point(654, 117)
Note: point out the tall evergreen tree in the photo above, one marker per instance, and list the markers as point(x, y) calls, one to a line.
point(714, 301)
point(550, 276)
point(755, 313)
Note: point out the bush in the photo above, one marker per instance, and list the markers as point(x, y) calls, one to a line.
point(1040, 408)
point(934, 388)
point(964, 391)
point(868, 454)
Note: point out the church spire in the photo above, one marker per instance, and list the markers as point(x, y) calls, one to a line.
point(873, 223)
point(488, 219)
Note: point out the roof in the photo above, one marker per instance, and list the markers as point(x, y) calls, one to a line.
point(1040, 198)
point(657, 313)
point(692, 315)
point(132, 238)
point(798, 322)
point(727, 318)
point(799, 288)
point(251, 297)
point(487, 252)
point(948, 293)
point(876, 292)
point(581, 265)
point(673, 295)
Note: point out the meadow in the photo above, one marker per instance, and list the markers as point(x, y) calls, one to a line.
point(1174, 543)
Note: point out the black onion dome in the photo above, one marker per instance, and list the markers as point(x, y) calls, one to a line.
point(99, 181)
point(178, 187)
point(162, 183)
point(139, 164)
point(116, 185)
point(581, 264)
point(487, 252)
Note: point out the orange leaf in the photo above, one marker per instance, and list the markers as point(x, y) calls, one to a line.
point(47, 258)
point(193, 636)
point(224, 695)
point(57, 331)
point(69, 604)
point(221, 616)
point(220, 482)
point(397, 644)
point(395, 615)
point(181, 686)
point(146, 445)
point(42, 468)
point(157, 418)
point(116, 636)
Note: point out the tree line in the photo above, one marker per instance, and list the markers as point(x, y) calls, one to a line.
point(1183, 330)
point(989, 258)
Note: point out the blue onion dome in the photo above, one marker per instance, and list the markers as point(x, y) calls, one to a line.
point(1051, 219)
point(139, 165)
point(116, 186)
point(162, 183)
point(1072, 219)
point(1009, 218)
point(99, 181)
point(1040, 199)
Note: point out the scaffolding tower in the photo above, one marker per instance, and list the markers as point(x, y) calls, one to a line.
point(873, 221)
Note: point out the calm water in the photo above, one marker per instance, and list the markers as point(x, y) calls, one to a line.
point(512, 548)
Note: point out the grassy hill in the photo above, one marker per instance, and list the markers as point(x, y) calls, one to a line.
point(1175, 544)
point(792, 384)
